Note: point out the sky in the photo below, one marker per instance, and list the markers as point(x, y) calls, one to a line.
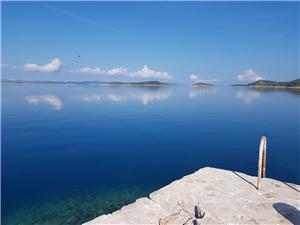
point(178, 42)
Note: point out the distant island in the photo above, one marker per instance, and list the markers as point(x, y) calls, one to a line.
point(142, 84)
point(202, 84)
point(275, 84)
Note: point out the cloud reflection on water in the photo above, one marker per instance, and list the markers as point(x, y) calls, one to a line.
point(248, 96)
point(144, 97)
point(52, 100)
point(197, 91)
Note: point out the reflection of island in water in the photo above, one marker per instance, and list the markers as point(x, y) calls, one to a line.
point(249, 94)
point(295, 91)
point(52, 100)
point(202, 90)
point(143, 97)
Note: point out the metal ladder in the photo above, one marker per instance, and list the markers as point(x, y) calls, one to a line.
point(262, 160)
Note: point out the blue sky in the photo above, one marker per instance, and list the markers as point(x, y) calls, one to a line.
point(184, 42)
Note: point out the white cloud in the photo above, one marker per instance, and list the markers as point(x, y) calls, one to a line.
point(51, 100)
point(98, 71)
point(89, 70)
point(117, 71)
point(250, 75)
point(50, 67)
point(143, 73)
point(148, 73)
point(4, 65)
point(196, 78)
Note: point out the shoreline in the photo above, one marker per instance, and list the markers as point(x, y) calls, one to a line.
point(224, 196)
point(280, 87)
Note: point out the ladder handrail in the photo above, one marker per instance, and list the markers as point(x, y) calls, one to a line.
point(262, 160)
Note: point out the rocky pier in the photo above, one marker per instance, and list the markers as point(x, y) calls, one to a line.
point(213, 196)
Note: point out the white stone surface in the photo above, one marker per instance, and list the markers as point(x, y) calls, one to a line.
point(227, 197)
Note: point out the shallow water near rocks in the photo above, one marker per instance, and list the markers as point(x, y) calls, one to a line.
point(73, 152)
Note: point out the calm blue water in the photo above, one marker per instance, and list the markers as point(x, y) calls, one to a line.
point(73, 152)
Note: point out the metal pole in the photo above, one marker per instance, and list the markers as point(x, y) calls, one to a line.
point(264, 158)
point(261, 171)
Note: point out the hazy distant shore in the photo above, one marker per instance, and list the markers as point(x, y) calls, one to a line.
point(257, 84)
point(144, 83)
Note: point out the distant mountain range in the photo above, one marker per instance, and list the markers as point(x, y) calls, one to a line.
point(144, 83)
point(269, 83)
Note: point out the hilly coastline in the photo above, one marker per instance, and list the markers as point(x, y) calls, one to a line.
point(202, 84)
point(275, 84)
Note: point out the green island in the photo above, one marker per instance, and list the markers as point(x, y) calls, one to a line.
point(273, 84)
point(202, 84)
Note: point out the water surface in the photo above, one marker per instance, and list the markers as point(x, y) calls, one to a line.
point(73, 152)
